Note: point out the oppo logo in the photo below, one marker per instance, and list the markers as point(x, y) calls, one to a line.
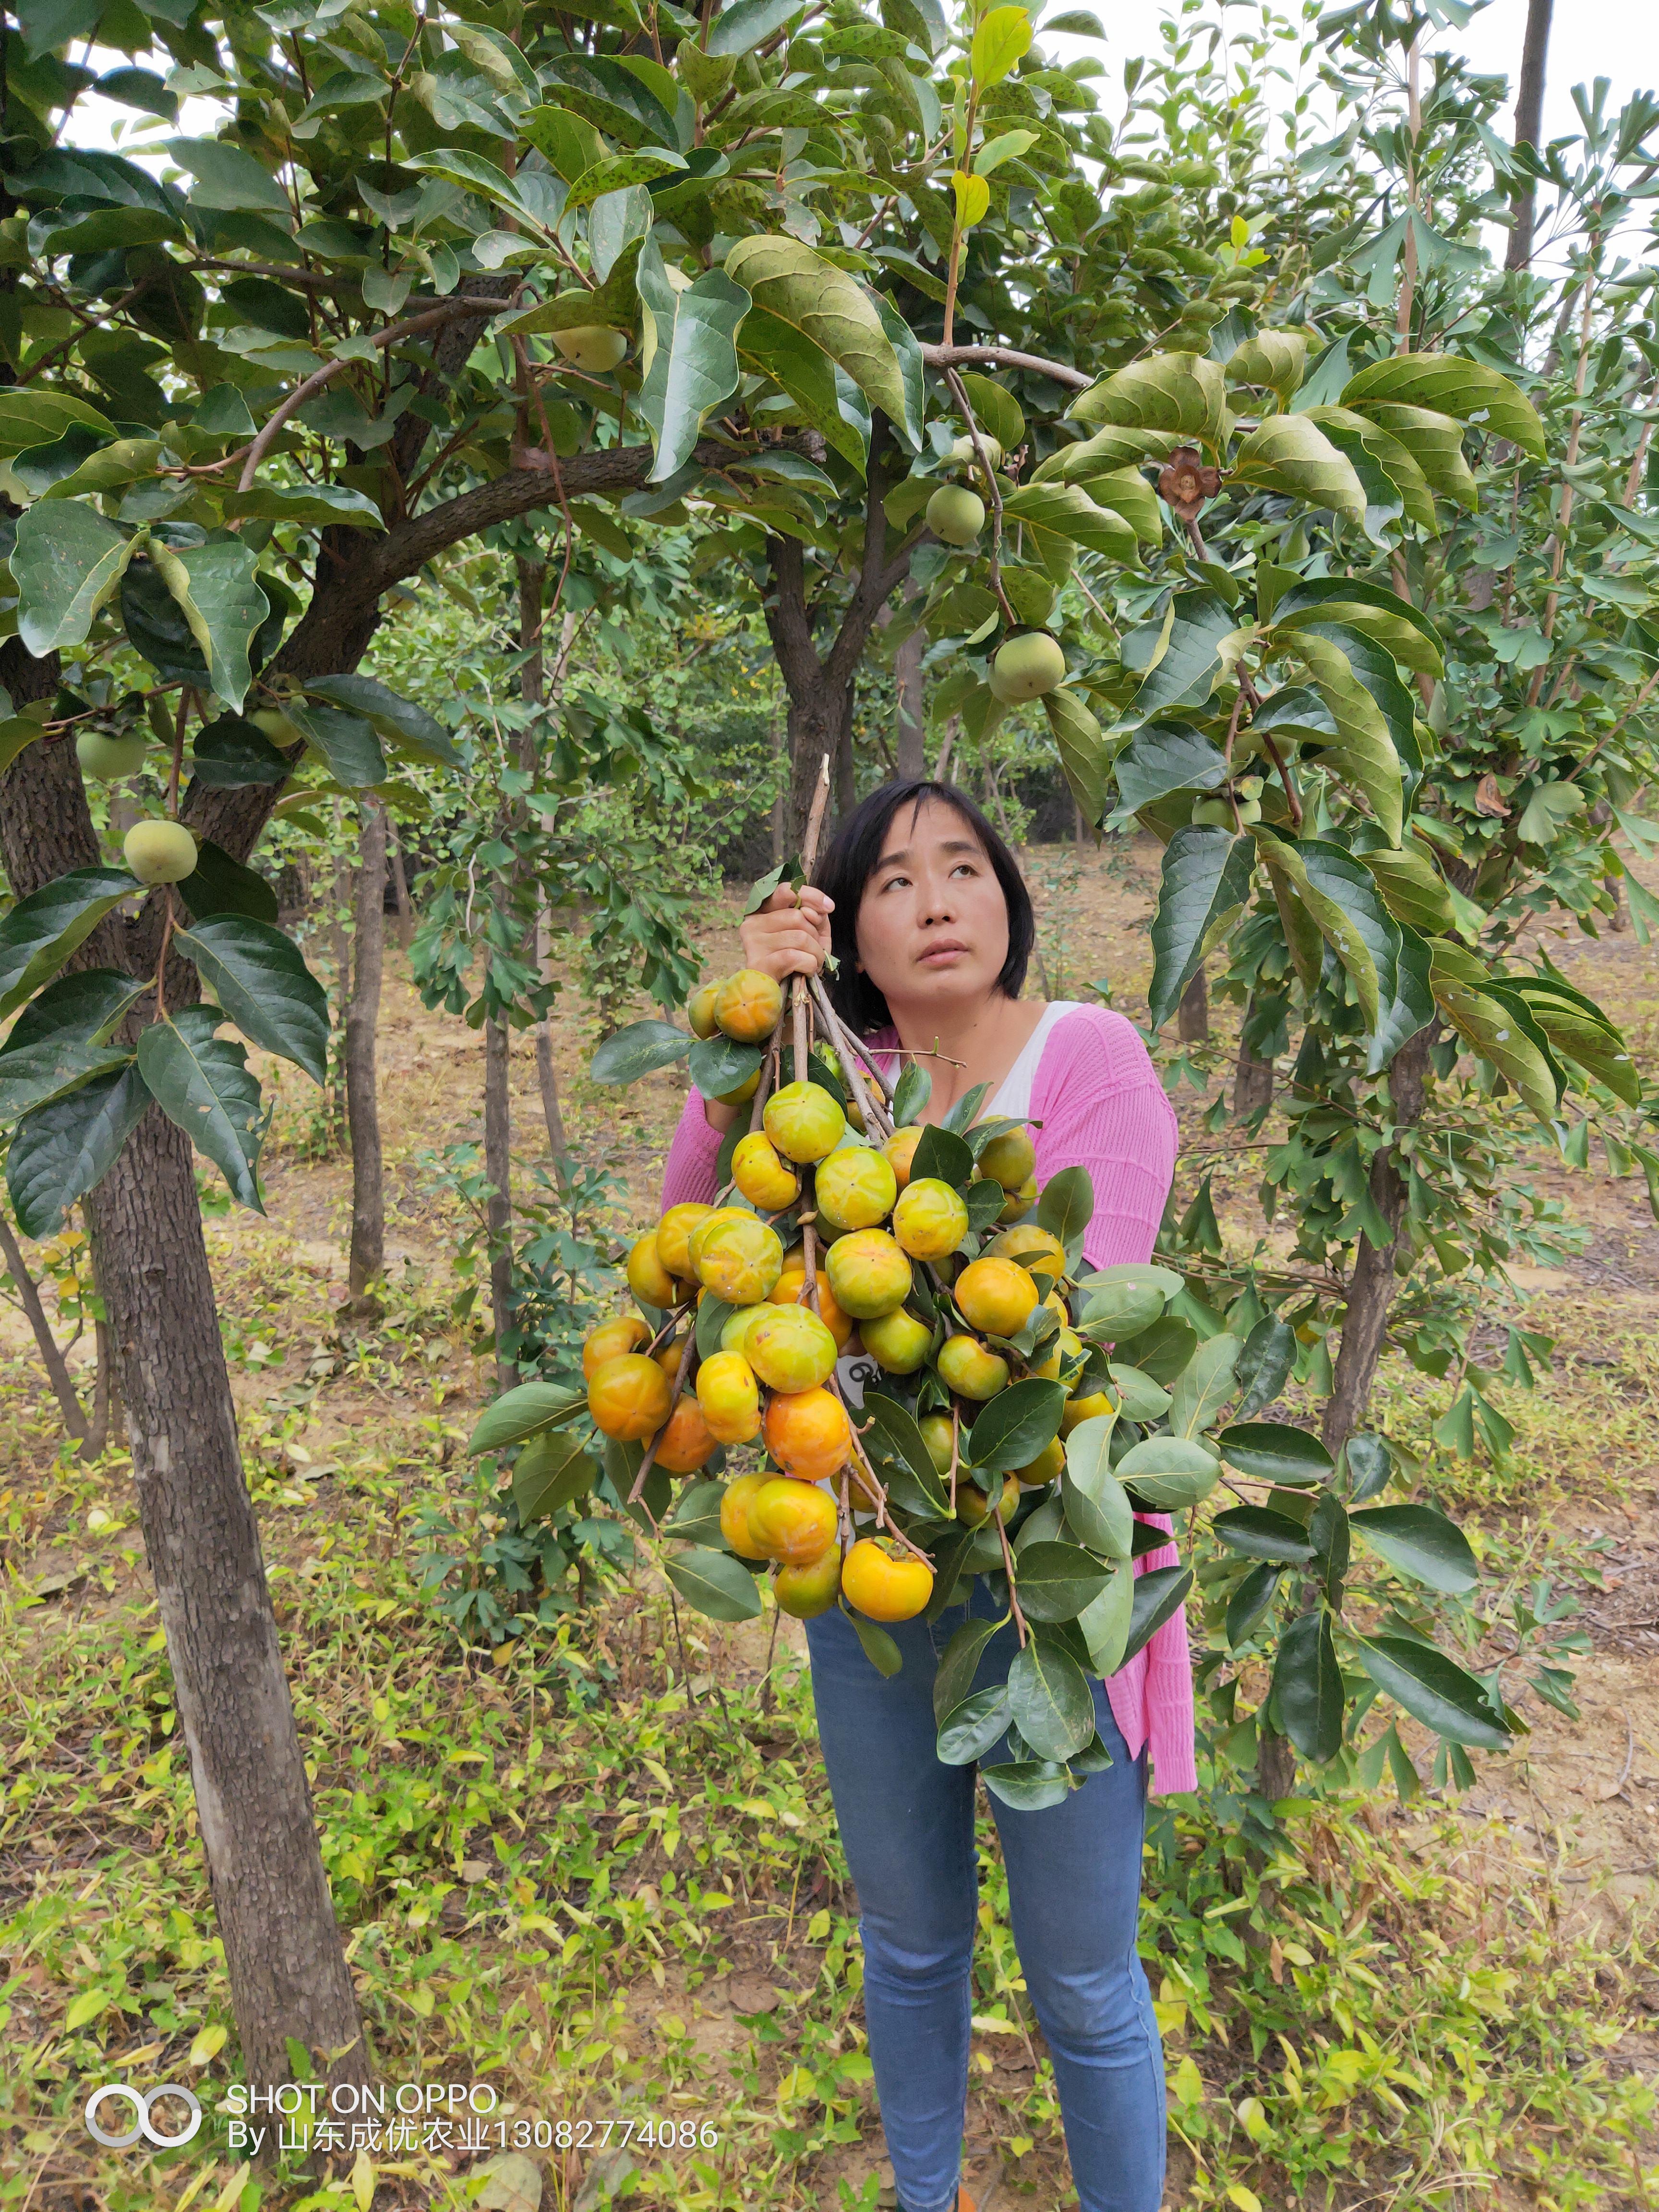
point(142, 2102)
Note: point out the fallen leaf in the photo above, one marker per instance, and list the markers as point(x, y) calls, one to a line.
point(514, 2184)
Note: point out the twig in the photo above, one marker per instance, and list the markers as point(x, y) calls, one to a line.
point(961, 396)
point(874, 1484)
point(956, 1452)
point(649, 1460)
point(69, 1405)
point(994, 356)
point(1008, 1569)
point(875, 1117)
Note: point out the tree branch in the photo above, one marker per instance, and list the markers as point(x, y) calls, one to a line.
point(997, 357)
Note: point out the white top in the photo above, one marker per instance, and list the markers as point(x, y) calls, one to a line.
point(1014, 1098)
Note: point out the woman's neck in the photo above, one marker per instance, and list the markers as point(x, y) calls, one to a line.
point(962, 1045)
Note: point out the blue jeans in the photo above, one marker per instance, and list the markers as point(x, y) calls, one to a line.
point(1074, 1871)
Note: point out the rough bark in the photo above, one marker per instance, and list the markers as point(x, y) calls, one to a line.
point(912, 713)
point(283, 1952)
point(1253, 1078)
point(1193, 1015)
point(774, 745)
point(1371, 1287)
point(498, 1166)
point(1529, 123)
point(362, 1025)
point(341, 903)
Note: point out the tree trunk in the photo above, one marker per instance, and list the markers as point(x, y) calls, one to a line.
point(780, 804)
point(498, 1166)
point(533, 578)
point(405, 911)
point(1373, 1283)
point(287, 1967)
point(912, 715)
point(52, 1357)
point(817, 720)
point(340, 944)
point(362, 1025)
point(546, 1075)
point(1193, 1015)
point(1528, 126)
point(846, 779)
point(1253, 1078)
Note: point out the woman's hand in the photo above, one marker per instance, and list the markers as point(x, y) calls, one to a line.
point(788, 938)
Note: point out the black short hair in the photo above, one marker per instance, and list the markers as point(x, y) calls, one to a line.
point(850, 862)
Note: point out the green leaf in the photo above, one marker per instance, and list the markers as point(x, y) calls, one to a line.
point(61, 1152)
point(1160, 1353)
point(1448, 384)
point(1269, 1355)
point(1249, 1602)
point(1027, 1785)
point(30, 416)
point(1579, 1031)
point(221, 885)
point(260, 979)
point(1183, 392)
point(217, 589)
point(204, 1084)
point(1054, 517)
point(1413, 1006)
point(746, 24)
point(775, 348)
point(1365, 752)
point(1489, 1027)
point(1412, 889)
point(520, 1413)
point(720, 1064)
point(695, 1518)
point(50, 1068)
point(551, 1471)
point(67, 564)
point(1125, 492)
point(81, 1008)
point(1084, 760)
point(1117, 1310)
point(1016, 1424)
point(880, 1647)
point(1066, 1205)
point(688, 354)
point(1308, 1687)
point(827, 306)
point(41, 931)
point(1206, 881)
point(1375, 451)
point(1184, 673)
point(1056, 1581)
point(1049, 1698)
point(941, 1155)
point(995, 408)
point(399, 721)
point(910, 1095)
point(1272, 359)
point(619, 172)
point(1105, 1621)
point(1261, 1534)
point(347, 742)
point(1000, 38)
point(1435, 444)
point(1403, 630)
point(227, 179)
point(1096, 1504)
point(323, 505)
point(1291, 453)
point(895, 1438)
point(713, 1583)
point(1203, 1386)
point(1419, 1542)
point(972, 1726)
point(1163, 758)
point(1274, 1449)
point(230, 754)
point(1433, 1689)
point(638, 1049)
point(956, 1669)
point(1167, 1472)
point(1156, 1598)
point(1341, 899)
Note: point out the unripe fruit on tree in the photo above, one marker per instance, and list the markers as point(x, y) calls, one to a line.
point(591, 346)
point(973, 1506)
point(1045, 1467)
point(956, 515)
point(1018, 1203)
point(900, 1150)
point(648, 1279)
point(700, 1010)
point(807, 1433)
point(106, 758)
point(730, 1398)
point(761, 1175)
point(1040, 1249)
point(995, 1295)
point(929, 1219)
point(1027, 666)
point(734, 1334)
point(790, 1350)
point(804, 1121)
point(966, 1367)
point(882, 1582)
point(739, 1260)
point(687, 1440)
point(792, 1521)
point(1078, 1410)
point(160, 852)
point(790, 1289)
point(963, 449)
point(807, 1591)
point(1213, 814)
point(745, 1091)
point(868, 1273)
point(1064, 1346)
point(897, 1342)
point(856, 1187)
point(734, 1516)
point(613, 1340)
point(749, 1006)
point(672, 1232)
point(277, 727)
point(936, 1430)
point(629, 1398)
point(1009, 1158)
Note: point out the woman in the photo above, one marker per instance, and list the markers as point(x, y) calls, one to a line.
point(931, 926)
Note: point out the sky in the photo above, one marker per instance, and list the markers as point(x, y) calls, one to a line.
point(1617, 39)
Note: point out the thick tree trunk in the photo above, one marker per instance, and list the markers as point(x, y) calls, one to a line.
point(287, 1972)
point(362, 1025)
point(1373, 1283)
point(1193, 1015)
point(1528, 126)
point(1253, 1078)
point(820, 720)
point(498, 1166)
point(912, 714)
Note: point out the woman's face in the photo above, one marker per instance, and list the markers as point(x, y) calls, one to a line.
point(932, 924)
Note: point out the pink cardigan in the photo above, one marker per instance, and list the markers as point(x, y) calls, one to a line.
point(1100, 1104)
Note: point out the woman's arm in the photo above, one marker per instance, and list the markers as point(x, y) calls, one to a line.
point(1103, 1108)
point(688, 1171)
